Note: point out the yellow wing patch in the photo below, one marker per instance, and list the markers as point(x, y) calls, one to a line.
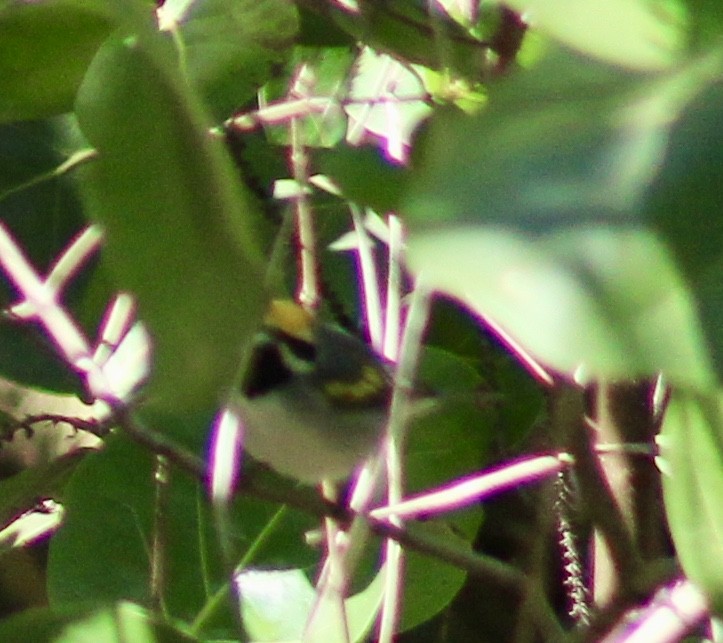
point(369, 387)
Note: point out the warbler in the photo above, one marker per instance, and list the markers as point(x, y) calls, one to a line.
point(314, 399)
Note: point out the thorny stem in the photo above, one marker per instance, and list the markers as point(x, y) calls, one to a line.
point(568, 415)
point(572, 566)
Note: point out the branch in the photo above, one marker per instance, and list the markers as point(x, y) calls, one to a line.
point(310, 502)
point(568, 418)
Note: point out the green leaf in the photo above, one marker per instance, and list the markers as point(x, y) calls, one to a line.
point(608, 301)
point(109, 505)
point(447, 444)
point(542, 229)
point(276, 605)
point(72, 624)
point(691, 442)
point(101, 553)
point(705, 23)
point(638, 34)
point(685, 204)
point(364, 176)
point(229, 48)
point(179, 225)
point(41, 65)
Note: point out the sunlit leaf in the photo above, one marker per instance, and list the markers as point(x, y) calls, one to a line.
point(691, 444)
point(638, 34)
point(113, 624)
point(276, 605)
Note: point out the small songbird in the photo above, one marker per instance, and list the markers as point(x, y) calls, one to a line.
point(314, 399)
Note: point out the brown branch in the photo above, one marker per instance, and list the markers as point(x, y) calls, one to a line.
point(309, 501)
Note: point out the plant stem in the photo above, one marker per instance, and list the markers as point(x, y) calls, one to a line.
point(596, 496)
point(162, 476)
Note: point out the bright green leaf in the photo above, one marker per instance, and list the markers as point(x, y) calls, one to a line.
point(637, 34)
point(73, 624)
point(691, 444)
point(608, 301)
point(275, 604)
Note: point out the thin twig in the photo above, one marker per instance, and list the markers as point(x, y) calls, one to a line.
point(403, 377)
point(369, 281)
point(308, 294)
point(161, 477)
point(75, 160)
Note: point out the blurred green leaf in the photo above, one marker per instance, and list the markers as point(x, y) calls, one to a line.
point(72, 624)
point(543, 227)
point(637, 34)
point(41, 65)
point(364, 176)
point(705, 23)
point(609, 302)
point(275, 604)
point(180, 228)
point(229, 48)
point(691, 442)
point(102, 551)
point(684, 205)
